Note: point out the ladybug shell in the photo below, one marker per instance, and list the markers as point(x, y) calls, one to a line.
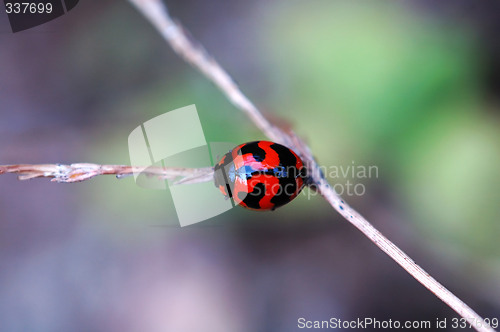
point(260, 175)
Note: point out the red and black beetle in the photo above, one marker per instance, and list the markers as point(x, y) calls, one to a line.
point(260, 175)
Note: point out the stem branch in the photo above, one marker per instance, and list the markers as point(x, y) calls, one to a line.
point(84, 171)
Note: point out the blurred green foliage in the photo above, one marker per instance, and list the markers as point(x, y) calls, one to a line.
point(384, 85)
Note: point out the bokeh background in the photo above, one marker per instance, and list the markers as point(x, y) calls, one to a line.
point(411, 87)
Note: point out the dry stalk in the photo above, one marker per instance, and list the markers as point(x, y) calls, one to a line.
point(84, 171)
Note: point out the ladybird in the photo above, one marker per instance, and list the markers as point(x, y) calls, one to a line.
point(260, 175)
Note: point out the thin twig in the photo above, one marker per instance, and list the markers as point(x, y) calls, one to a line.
point(192, 52)
point(84, 171)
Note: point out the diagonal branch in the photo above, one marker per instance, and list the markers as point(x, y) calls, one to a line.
point(84, 171)
point(195, 54)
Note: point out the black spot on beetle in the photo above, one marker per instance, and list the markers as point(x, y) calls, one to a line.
point(287, 188)
point(287, 158)
point(253, 148)
point(253, 198)
point(280, 200)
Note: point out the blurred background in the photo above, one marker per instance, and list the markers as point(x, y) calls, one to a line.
point(412, 88)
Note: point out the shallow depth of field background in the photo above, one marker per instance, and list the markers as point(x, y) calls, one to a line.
point(412, 88)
